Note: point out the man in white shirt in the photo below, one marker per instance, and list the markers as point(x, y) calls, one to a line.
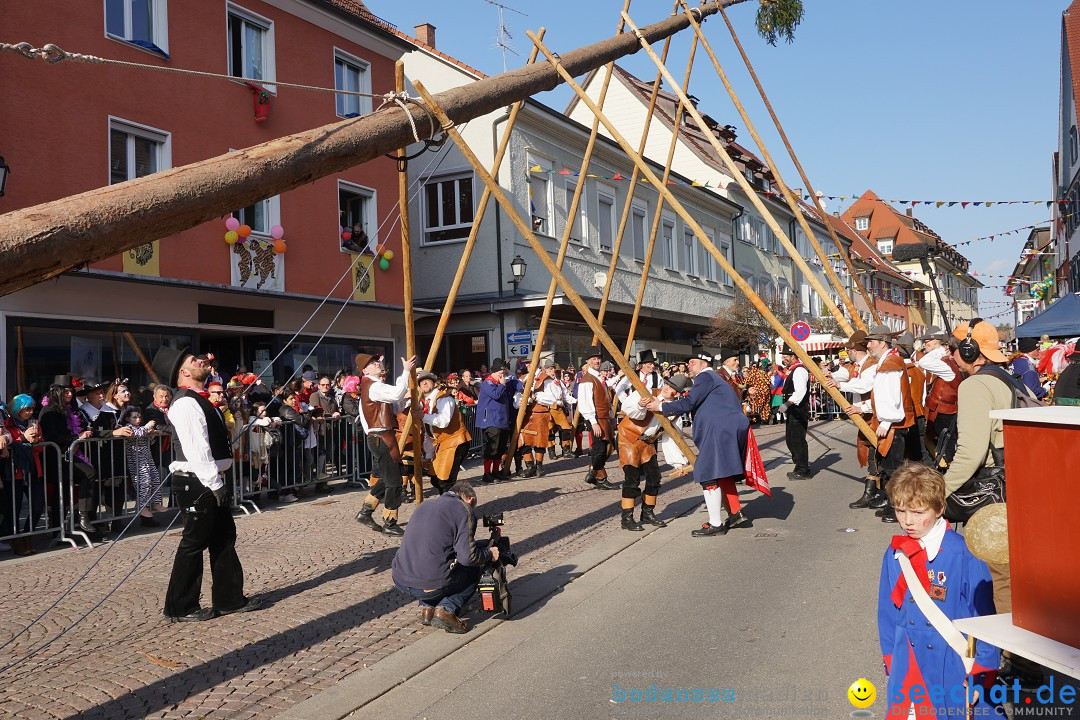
point(595, 406)
point(446, 429)
point(857, 378)
point(203, 453)
point(535, 436)
point(943, 378)
point(796, 408)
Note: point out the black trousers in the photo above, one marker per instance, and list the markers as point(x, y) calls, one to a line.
point(632, 477)
point(795, 436)
point(598, 452)
point(913, 445)
point(206, 527)
point(496, 441)
point(892, 460)
point(388, 491)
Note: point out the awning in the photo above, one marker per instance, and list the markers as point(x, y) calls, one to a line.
point(1060, 320)
point(813, 347)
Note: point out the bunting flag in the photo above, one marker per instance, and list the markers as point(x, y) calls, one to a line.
point(719, 184)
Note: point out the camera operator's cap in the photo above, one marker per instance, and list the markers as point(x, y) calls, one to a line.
point(932, 333)
point(1026, 345)
point(857, 341)
point(986, 336)
point(882, 332)
point(364, 359)
point(167, 363)
point(678, 381)
point(426, 375)
point(606, 365)
point(698, 353)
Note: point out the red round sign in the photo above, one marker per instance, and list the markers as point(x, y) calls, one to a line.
point(800, 331)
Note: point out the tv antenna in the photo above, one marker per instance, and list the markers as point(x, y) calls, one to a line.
point(503, 38)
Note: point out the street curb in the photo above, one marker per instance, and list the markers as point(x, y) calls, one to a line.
point(363, 687)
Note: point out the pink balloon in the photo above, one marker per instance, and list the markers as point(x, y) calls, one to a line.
point(232, 223)
point(277, 232)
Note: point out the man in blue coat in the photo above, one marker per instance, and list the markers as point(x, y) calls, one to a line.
point(1025, 366)
point(720, 429)
point(493, 417)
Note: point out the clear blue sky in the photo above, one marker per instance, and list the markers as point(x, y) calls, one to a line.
point(922, 100)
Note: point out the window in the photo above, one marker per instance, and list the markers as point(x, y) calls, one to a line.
point(637, 219)
point(251, 45)
point(885, 246)
point(862, 222)
point(1074, 146)
point(136, 151)
point(540, 194)
point(708, 262)
point(261, 216)
point(351, 75)
point(140, 22)
point(605, 221)
point(725, 248)
point(356, 214)
point(448, 208)
point(762, 232)
point(689, 241)
point(580, 219)
point(667, 237)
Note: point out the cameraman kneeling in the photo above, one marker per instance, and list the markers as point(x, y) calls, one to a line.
point(438, 562)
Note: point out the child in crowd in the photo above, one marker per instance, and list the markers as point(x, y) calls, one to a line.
point(141, 466)
point(957, 582)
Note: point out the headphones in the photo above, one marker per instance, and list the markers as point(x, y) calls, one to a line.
point(968, 348)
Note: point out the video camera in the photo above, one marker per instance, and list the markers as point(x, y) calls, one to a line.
point(493, 590)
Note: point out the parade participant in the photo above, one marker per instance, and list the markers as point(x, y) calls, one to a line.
point(893, 411)
point(493, 418)
point(729, 372)
point(536, 430)
point(646, 365)
point(202, 455)
point(758, 393)
point(916, 655)
point(378, 421)
point(1067, 387)
point(438, 562)
point(857, 378)
point(1025, 365)
point(594, 402)
point(720, 433)
point(796, 408)
point(561, 417)
point(913, 445)
point(567, 431)
point(942, 384)
point(639, 431)
point(443, 422)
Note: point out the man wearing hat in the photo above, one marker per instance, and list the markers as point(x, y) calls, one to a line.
point(857, 378)
point(594, 403)
point(378, 420)
point(892, 408)
point(493, 417)
point(444, 424)
point(913, 446)
point(202, 454)
point(796, 409)
point(534, 438)
point(647, 371)
point(1025, 365)
point(943, 378)
point(729, 371)
point(720, 433)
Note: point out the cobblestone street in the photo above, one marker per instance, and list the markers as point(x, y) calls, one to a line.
point(333, 608)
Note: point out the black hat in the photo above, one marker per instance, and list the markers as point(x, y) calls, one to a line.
point(167, 362)
point(646, 356)
point(725, 354)
point(678, 381)
point(698, 353)
point(64, 380)
point(1026, 345)
point(591, 352)
point(787, 350)
point(89, 386)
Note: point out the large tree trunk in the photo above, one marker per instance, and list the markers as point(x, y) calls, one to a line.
point(40, 242)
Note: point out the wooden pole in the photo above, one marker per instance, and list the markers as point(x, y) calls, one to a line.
point(43, 241)
point(806, 180)
point(571, 213)
point(142, 358)
point(696, 228)
point(527, 233)
point(410, 323)
point(826, 264)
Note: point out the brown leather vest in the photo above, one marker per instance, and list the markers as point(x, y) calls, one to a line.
point(917, 382)
point(600, 396)
point(377, 414)
point(455, 432)
point(941, 397)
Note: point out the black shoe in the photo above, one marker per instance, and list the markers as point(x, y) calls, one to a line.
point(488, 478)
point(890, 518)
point(148, 521)
point(648, 516)
point(361, 483)
point(882, 512)
point(539, 469)
point(869, 487)
point(738, 520)
point(251, 605)
point(530, 470)
point(364, 517)
point(390, 527)
point(590, 479)
point(879, 501)
point(199, 615)
point(798, 475)
point(500, 476)
point(605, 484)
point(706, 530)
point(628, 521)
point(551, 452)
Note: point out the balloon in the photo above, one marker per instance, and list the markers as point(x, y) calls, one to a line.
point(232, 223)
point(279, 247)
point(987, 534)
point(277, 232)
point(346, 236)
point(243, 230)
point(384, 264)
point(231, 237)
point(389, 254)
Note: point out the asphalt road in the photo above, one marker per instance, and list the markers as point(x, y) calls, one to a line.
point(775, 621)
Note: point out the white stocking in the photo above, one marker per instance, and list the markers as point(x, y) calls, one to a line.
point(714, 502)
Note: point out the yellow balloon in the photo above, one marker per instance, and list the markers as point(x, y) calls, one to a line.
point(389, 254)
point(987, 534)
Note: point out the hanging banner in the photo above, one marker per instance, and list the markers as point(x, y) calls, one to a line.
point(143, 260)
point(363, 278)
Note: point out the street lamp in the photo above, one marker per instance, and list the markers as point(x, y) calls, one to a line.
point(517, 267)
point(4, 170)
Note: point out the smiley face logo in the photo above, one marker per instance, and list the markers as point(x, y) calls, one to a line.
point(862, 693)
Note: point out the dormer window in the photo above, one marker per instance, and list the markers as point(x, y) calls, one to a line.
point(862, 222)
point(885, 246)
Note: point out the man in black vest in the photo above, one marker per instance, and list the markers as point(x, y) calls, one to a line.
point(203, 453)
point(796, 407)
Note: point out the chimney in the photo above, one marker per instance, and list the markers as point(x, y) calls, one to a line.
point(909, 212)
point(425, 33)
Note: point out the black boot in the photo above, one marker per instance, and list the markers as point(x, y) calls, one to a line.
point(628, 521)
point(879, 501)
point(539, 466)
point(605, 484)
point(551, 452)
point(886, 511)
point(530, 470)
point(488, 478)
point(869, 487)
point(390, 527)
point(591, 477)
point(364, 518)
point(85, 523)
point(648, 516)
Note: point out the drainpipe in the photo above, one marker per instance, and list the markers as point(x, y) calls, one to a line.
point(735, 236)
point(498, 233)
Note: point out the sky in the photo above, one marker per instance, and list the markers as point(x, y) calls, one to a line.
point(919, 100)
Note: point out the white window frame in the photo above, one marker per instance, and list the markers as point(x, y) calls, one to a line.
point(436, 180)
point(688, 252)
point(707, 262)
point(581, 222)
point(639, 215)
point(671, 256)
point(724, 278)
point(543, 221)
point(370, 211)
point(159, 18)
point(742, 228)
point(363, 68)
point(605, 192)
point(862, 222)
point(272, 213)
point(885, 246)
point(268, 46)
point(162, 138)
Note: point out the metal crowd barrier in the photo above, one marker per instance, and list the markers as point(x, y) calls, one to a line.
point(33, 499)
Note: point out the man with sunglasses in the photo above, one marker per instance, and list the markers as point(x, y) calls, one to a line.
point(331, 435)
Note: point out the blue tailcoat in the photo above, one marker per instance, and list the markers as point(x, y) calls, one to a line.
point(720, 427)
point(905, 631)
point(491, 410)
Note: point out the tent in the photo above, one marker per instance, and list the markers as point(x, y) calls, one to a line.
point(1060, 320)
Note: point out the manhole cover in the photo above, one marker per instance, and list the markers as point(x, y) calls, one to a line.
point(766, 534)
